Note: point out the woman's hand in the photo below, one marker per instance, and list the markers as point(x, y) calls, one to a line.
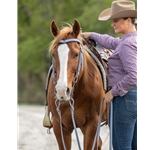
point(85, 35)
point(108, 96)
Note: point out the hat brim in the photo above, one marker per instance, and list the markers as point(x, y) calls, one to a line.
point(106, 14)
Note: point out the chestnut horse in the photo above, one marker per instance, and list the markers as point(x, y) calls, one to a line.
point(75, 77)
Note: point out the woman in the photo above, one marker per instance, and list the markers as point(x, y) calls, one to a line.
point(122, 71)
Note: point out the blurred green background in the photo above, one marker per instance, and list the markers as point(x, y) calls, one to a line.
point(34, 37)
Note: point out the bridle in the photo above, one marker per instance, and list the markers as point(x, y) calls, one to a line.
point(71, 101)
point(80, 63)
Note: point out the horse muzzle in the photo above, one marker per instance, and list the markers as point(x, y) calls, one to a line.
point(63, 94)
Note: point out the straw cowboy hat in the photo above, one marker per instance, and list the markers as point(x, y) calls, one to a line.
point(119, 9)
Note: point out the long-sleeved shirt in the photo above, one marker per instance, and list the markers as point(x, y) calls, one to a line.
point(122, 64)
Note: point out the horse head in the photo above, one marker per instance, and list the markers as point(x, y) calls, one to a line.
point(67, 59)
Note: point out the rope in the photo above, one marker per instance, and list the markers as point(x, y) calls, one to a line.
point(71, 102)
point(111, 125)
point(59, 113)
point(99, 125)
point(73, 121)
point(57, 103)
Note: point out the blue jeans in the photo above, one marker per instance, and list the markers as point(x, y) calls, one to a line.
point(125, 121)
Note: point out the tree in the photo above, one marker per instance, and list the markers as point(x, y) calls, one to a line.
point(34, 37)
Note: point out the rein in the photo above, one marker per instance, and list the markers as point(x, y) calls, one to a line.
point(71, 102)
point(99, 125)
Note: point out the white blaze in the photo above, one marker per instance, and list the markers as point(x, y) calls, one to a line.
point(61, 87)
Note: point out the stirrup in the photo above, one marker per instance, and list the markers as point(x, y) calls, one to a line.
point(46, 121)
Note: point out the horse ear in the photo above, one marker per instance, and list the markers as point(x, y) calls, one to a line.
point(76, 28)
point(54, 29)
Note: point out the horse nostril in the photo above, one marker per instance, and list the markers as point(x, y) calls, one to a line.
point(62, 98)
point(68, 91)
point(55, 91)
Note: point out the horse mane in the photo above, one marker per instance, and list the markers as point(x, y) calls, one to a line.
point(64, 32)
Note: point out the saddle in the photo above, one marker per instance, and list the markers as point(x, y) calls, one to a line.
point(100, 55)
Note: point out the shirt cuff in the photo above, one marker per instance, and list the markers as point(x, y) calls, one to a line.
point(118, 92)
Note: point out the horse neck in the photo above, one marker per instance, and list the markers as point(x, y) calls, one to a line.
point(89, 67)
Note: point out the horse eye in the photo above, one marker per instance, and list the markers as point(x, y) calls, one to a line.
point(75, 55)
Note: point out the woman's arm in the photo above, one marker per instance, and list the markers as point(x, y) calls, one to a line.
point(105, 40)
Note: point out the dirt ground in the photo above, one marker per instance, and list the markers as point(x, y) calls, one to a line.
point(33, 136)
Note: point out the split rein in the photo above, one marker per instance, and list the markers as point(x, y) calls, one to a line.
point(71, 101)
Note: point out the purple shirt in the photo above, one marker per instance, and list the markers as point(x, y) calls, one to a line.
point(122, 63)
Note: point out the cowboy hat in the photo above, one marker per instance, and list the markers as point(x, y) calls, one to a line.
point(119, 9)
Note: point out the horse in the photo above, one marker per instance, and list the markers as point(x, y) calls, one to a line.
point(75, 79)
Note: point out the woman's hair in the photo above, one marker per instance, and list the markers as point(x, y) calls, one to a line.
point(134, 21)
